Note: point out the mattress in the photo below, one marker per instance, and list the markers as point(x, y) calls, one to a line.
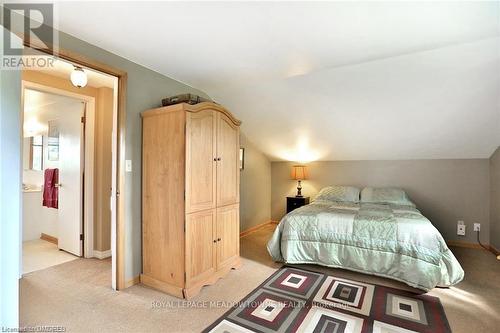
point(387, 240)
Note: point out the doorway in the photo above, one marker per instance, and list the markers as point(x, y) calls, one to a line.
point(83, 140)
point(53, 155)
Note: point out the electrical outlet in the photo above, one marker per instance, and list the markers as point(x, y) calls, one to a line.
point(477, 226)
point(460, 228)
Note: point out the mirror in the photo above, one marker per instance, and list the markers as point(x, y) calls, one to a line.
point(53, 141)
point(36, 153)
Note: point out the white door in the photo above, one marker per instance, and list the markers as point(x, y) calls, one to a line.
point(71, 178)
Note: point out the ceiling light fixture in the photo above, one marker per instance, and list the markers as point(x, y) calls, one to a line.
point(79, 77)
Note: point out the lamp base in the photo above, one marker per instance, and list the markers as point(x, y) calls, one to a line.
point(299, 190)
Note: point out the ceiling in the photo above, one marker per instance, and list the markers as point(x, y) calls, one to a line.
point(95, 79)
point(324, 80)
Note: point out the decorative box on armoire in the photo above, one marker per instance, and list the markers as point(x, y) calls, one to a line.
point(190, 197)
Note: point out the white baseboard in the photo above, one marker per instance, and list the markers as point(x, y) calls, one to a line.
point(102, 254)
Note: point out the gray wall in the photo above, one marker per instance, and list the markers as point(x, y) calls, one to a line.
point(495, 199)
point(145, 89)
point(10, 195)
point(444, 190)
point(255, 187)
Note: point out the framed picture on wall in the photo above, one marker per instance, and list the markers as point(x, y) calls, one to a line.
point(53, 141)
point(242, 158)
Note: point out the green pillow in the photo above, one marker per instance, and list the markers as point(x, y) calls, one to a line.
point(386, 195)
point(339, 193)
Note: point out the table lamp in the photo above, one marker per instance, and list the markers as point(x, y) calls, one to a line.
point(299, 173)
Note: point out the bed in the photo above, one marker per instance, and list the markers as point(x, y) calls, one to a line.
point(384, 234)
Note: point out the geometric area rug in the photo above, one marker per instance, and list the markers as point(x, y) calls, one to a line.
point(296, 300)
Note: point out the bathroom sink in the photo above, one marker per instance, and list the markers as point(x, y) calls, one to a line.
point(31, 188)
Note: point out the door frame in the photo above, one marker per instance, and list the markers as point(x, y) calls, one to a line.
point(117, 230)
point(88, 162)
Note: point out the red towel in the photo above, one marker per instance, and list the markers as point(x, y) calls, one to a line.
point(50, 191)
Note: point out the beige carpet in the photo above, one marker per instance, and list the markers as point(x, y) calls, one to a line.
point(77, 295)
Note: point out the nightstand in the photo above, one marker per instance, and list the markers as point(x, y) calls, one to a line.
point(295, 202)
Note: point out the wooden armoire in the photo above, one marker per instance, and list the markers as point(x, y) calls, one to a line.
point(190, 197)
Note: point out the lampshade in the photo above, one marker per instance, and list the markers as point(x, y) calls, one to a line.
point(79, 77)
point(299, 172)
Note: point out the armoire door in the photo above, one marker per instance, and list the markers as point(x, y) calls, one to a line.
point(228, 235)
point(228, 172)
point(201, 132)
point(200, 246)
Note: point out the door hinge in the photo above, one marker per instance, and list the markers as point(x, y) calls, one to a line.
point(185, 277)
point(83, 119)
point(81, 237)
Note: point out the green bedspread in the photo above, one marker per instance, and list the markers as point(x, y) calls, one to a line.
point(392, 241)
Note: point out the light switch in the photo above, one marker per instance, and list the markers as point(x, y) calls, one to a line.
point(128, 165)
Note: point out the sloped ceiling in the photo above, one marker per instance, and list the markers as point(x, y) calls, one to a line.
point(326, 80)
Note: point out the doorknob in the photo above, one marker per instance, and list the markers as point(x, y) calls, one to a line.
point(218, 239)
point(58, 185)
